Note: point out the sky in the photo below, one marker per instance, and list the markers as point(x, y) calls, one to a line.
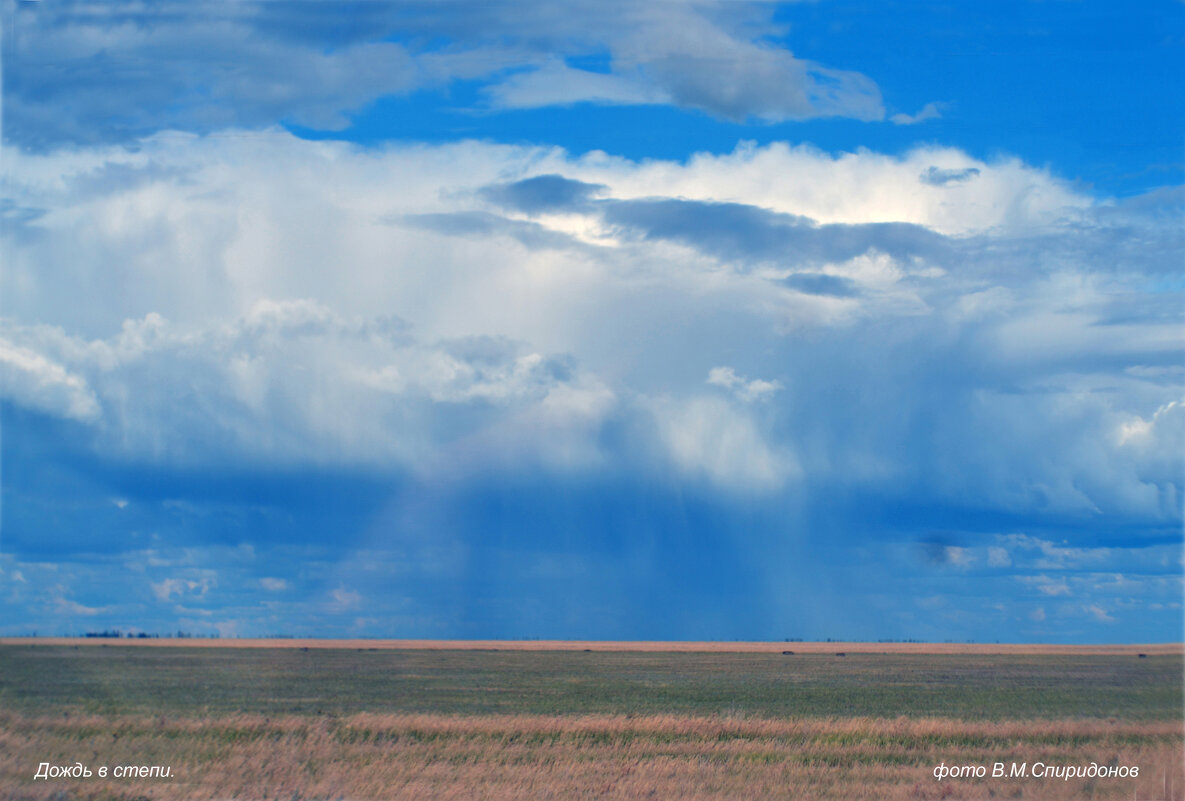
point(691, 320)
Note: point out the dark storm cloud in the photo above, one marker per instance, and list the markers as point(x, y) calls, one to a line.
point(543, 193)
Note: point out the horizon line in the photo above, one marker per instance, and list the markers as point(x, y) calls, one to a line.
point(784, 647)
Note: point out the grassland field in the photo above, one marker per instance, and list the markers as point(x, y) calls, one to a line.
point(363, 722)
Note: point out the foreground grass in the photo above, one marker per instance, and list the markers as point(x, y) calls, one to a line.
point(115, 680)
point(392, 725)
point(426, 756)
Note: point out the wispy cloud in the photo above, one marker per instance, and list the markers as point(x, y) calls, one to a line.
point(930, 111)
point(245, 66)
point(344, 600)
point(65, 606)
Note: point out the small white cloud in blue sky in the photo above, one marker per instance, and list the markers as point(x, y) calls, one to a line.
point(930, 111)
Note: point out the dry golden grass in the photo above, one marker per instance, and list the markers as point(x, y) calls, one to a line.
point(425, 756)
point(644, 646)
point(557, 725)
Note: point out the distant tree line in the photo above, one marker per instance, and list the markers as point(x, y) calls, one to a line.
point(144, 635)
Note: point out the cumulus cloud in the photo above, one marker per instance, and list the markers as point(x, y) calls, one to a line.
point(32, 380)
point(744, 389)
point(709, 438)
point(1157, 440)
point(293, 382)
point(855, 188)
point(199, 299)
point(182, 588)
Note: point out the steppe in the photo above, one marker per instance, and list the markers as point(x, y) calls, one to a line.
point(292, 719)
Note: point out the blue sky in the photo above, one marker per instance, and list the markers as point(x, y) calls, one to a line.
point(687, 320)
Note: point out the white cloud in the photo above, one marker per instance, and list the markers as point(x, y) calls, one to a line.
point(34, 381)
point(243, 220)
point(1034, 553)
point(742, 388)
point(958, 556)
point(709, 437)
point(273, 584)
point(266, 300)
point(1158, 440)
point(293, 382)
point(555, 84)
point(183, 587)
point(696, 62)
point(248, 65)
point(930, 111)
point(64, 606)
point(344, 600)
point(1047, 586)
point(863, 187)
point(998, 557)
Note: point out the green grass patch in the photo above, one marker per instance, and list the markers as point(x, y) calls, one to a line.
point(60, 679)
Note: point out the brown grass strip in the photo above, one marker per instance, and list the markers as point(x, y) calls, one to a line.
point(368, 757)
